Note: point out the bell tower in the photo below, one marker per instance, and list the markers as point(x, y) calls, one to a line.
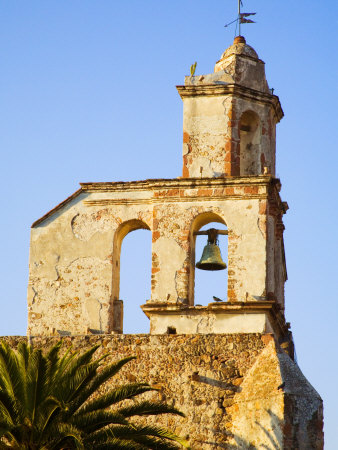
point(230, 368)
point(230, 117)
point(229, 129)
point(229, 148)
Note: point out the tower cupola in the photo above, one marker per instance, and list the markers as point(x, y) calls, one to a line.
point(242, 63)
point(230, 117)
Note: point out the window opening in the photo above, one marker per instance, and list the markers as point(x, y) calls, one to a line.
point(250, 138)
point(171, 330)
point(135, 270)
point(211, 286)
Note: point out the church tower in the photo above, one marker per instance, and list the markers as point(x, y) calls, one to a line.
point(229, 129)
point(229, 365)
point(230, 117)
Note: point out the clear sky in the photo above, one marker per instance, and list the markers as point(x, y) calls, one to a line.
point(87, 92)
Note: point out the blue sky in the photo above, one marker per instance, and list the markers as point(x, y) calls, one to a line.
point(87, 92)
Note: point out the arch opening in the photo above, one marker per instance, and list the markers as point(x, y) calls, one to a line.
point(250, 140)
point(205, 285)
point(131, 277)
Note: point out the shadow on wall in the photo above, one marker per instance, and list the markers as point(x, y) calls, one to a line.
point(274, 442)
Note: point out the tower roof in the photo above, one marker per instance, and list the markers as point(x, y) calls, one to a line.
point(239, 47)
point(242, 63)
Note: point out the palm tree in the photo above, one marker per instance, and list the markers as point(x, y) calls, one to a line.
point(52, 402)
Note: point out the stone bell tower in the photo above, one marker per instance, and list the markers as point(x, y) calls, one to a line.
point(229, 147)
point(229, 122)
point(230, 116)
point(230, 365)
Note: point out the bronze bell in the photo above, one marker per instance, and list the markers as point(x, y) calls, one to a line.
point(211, 257)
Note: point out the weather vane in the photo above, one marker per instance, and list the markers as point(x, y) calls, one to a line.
point(241, 18)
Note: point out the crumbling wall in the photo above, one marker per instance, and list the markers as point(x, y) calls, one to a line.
point(234, 389)
point(212, 142)
point(75, 251)
point(71, 268)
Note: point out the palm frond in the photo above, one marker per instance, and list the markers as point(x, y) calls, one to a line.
point(133, 432)
point(94, 421)
point(157, 444)
point(11, 376)
point(47, 401)
point(124, 392)
point(63, 435)
point(70, 386)
point(118, 444)
point(105, 374)
point(8, 409)
point(149, 408)
point(81, 361)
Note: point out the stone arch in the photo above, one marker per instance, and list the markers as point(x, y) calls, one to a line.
point(198, 222)
point(250, 132)
point(116, 323)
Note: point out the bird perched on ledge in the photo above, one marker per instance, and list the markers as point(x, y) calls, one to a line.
point(216, 299)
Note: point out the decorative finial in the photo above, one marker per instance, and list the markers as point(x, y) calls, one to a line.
point(241, 18)
point(192, 69)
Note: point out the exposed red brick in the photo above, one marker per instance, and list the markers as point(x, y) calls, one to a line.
point(262, 160)
point(266, 338)
point(263, 207)
point(186, 137)
point(251, 189)
point(172, 193)
point(185, 172)
point(228, 146)
point(231, 295)
point(228, 156)
point(156, 235)
point(204, 192)
point(229, 191)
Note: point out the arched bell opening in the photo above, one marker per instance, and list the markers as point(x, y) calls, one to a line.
point(250, 143)
point(208, 283)
point(131, 277)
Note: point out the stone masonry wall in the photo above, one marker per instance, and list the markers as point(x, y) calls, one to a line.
point(230, 387)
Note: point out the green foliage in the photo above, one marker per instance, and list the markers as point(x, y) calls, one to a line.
point(47, 402)
point(193, 69)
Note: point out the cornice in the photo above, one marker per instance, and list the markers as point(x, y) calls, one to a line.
point(213, 90)
point(177, 183)
point(172, 183)
point(162, 200)
point(241, 55)
point(268, 307)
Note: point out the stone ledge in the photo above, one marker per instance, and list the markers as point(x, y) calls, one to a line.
point(269, 317)
point(232, 89)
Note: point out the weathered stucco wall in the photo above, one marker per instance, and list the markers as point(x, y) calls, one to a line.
point(75, 250)
point(214, 132)
point(237, 391)
point(197, 322)
point(230, 117)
